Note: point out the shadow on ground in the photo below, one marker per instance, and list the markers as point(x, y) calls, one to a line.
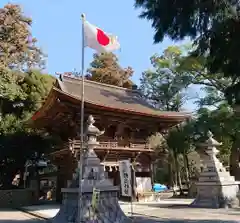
point(140, 219)
point(183, 206)
point(40, 206)
point(35, 220)
point(136, 220)
point(162, 205)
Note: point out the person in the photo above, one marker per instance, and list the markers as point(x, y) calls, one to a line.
point(49, 194)
point(16, 179)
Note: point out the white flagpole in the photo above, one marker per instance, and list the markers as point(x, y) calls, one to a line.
point(81, 132)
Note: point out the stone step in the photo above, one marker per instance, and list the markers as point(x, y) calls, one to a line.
point(216, 178)
point(219, 183)
point(222, 174)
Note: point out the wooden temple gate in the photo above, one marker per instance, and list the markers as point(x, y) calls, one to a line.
point(109, 153)
point(123, 113)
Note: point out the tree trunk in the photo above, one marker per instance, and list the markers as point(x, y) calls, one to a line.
point(187, 169)
point(179, 180)
point(172, 173)
point(174, 181)
point(235, 158)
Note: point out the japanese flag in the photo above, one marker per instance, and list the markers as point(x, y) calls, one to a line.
point(98, 40)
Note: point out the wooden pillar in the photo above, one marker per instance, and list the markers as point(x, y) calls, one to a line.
point(152, 170)
point(34, 185)
point(59, 185)
point(133, 176)
point(66, 167)
point(118, 181)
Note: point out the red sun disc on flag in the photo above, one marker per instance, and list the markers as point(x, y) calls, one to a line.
point(102, 38)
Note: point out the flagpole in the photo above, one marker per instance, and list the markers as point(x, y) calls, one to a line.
point(81, 130)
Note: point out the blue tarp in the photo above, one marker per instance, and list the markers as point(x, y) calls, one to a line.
point(159, 187)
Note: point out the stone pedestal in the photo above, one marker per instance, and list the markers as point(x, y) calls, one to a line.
point(108, 209)
point(215, 188)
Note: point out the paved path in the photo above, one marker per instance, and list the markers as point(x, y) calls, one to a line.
point(185, 213)
point(13, 216)
point(157, 220)
point(167, 212)
point(189, 215)
point(49, 211)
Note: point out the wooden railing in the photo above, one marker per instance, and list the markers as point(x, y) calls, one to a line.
point(142, 146)
point(107, 145)
point(128, 145)
point(114, 144)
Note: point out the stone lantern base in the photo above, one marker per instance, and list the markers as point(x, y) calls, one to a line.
point(215, 195)
point(108, 210)
point(215, 187)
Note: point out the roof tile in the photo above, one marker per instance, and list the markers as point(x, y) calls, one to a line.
point(111, 96)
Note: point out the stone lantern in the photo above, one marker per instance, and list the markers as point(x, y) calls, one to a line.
point(107, 208)
point(215, 187)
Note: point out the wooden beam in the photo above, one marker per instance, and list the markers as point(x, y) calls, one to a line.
point(120, 116)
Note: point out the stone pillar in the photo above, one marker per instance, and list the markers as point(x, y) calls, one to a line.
point(108, 209)
point(215, 187)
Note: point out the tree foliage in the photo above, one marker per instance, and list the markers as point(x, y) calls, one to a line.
point(226, 128)
point(213, 25)
point(174, 72)
point(17, 141)
point(106, 69)
point(164, 86)
point(22, 91)
point(178, 64)
point(17, 46)
point(36, 87)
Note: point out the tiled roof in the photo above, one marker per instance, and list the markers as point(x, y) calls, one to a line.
point(111, 97)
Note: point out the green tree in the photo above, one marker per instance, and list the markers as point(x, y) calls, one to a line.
point(17, 145)
point(193, 71)
point(36, 87)
point(160, 166)
point(18, 47)
point(171, 151)
point(106, 69)
point(18, 54)
point(163, 86)
point(214, 85)
point(17, 141)
point(225, 126)
point(213, 25)
point(180, 141)
point(22, 91)
point(180, 71)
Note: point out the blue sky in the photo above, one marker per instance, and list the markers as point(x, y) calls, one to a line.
point(57, 26)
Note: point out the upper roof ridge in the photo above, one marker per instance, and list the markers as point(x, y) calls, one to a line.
point(65, 77)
